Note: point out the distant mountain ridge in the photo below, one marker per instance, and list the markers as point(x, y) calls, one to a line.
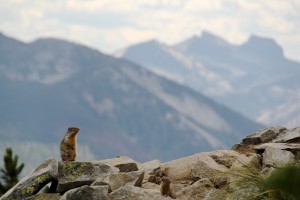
point(242, 77)
point(121, 108)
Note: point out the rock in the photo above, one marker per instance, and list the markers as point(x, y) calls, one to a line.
point(140, 180)
point(119, 160)
point(276, 157)
point(127, 167)
point(186, 168)
point(45, 196)
point(135, 193)
point(198, 190)
point(76, 174)
point(159, 172)
point(118, 180)
point(35, 181)
point(149, 166)
point(202, 165)
point(224, 159)
point(264, 135)
point(243, 149)
point(292, 135)
point(206, 168)
point(282, 146)
point(156, 174)
point(268, 170)
point(154, 179)
point(149, 185)
point(86, 192)
point(123, 163)
point(250, 159)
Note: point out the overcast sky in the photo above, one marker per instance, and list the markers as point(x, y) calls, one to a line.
point(110, 25)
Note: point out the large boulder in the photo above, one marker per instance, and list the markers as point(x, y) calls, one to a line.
point(202, 165)
point(275, 157)
point(35, 181)
point(86, 192)
point(75, 174)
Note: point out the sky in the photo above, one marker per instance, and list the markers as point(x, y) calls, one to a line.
point(111, 25)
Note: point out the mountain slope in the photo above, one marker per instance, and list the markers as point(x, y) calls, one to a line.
point(121, 108)
point(238, 76)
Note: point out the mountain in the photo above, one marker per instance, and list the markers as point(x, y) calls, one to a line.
point(121, 108)
point(241, 77)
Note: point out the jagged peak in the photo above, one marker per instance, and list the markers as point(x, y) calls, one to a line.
point(206, 38)
point(262, 45)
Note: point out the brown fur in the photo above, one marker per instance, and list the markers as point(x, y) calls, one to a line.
point(68, 145)
point(165, 187)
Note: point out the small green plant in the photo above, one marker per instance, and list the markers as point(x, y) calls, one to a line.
point(285, 181)
point(10, 172)
point(249, 183)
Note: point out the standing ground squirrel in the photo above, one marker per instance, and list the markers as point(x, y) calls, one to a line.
point(68, 145)
point(165, 188)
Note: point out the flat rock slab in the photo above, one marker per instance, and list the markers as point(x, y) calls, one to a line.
point(75, 174)
point(119, 160)
point(282, 146)
point(277, 157)
point(86, 192)
point(35, 181)
point(291, 135)
point(127, 167)
point(263, 136)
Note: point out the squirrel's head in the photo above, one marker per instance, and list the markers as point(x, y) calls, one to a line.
point(166, 179)
point(73, 131)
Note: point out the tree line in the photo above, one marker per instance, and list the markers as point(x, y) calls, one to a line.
point(10, 171)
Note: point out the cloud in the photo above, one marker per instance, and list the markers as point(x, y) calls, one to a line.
point(113, 24)
point(196, 6)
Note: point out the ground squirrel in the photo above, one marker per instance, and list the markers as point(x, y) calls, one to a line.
point(165, 188)
point(68, 145)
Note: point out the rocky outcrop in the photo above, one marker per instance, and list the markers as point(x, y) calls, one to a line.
point(193, 177)
point(36, 180)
